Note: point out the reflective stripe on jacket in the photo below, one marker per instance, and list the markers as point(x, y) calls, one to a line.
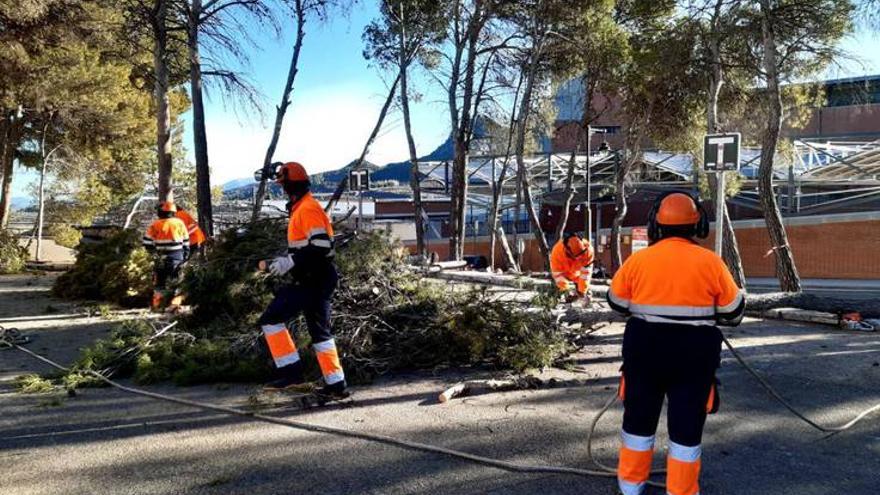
point(196, 235)
point(566, 269)
point(677, 281)
point(167, 236)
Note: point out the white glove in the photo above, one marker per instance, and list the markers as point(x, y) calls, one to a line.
point(281, 265)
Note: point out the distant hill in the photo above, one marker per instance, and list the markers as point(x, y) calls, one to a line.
point(20, 202)
point(327, 181)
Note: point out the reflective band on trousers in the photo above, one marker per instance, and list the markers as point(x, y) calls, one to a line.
point(627, 488)
point(634, 465)
point(683, 470)
point(328, 360)
point(280, 344)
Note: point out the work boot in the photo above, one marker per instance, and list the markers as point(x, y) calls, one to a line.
point(290, 377)
point(334, 391)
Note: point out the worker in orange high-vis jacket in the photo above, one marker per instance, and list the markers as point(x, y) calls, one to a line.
point(168, 239)
point(196, 235)
point(675, 293)
point(310, 259)
point(571, 262)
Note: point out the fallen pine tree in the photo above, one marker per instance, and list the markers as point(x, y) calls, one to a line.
point(385, 316)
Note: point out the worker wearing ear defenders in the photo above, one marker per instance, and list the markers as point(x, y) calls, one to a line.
point(675, 293)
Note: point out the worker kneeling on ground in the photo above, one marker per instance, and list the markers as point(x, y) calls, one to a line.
point(167, 237)
point(310, 259)
point(196, 235)
point(571, 262)
point(675, 293)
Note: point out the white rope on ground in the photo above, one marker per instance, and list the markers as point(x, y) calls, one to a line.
point(487, 461)
point(603, 470)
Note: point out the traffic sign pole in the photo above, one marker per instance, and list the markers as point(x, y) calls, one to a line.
point(719, 213)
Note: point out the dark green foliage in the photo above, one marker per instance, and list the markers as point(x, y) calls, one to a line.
point(117, 270)
point(176, 357)
point(386, 318)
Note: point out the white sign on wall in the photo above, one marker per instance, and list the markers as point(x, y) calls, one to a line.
point(639, 238)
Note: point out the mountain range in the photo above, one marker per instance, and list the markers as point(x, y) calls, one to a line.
point(327, 181)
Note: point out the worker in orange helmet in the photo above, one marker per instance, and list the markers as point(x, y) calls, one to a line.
point(197, 236)
point(310, 260)
point(675, 294)
point(168, 239)
point(571, 262)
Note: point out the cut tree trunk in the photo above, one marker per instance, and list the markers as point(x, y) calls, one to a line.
point(281, 109)
point(786, 270)
point(200, 134)
point(763, 302)
point(163, 106)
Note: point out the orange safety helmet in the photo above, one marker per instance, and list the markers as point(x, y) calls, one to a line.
point(167, 207)
point(575, 247)
point(293, 172)
point(678, 209)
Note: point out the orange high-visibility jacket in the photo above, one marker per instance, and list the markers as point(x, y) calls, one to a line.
point(168, 237)
point(566, 269)
point(196, 235)
point(677, 281)
point(309, 235)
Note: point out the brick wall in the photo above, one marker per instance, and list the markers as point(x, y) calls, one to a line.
point(824, 247)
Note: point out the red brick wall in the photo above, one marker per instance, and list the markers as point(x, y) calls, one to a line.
point(844, 120)
point(845, 250)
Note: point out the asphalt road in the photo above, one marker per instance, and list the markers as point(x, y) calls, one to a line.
point(106, 441)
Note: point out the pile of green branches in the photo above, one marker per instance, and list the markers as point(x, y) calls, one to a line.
point(386, 318)
point(117, 270)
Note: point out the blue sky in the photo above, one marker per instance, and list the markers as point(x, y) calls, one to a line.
point(337, 98)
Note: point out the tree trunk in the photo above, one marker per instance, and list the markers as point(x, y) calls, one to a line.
point(163, 107)
point(523, 175)
point(200, 135)
point(620, 210)
point(281, 109)
point(786, 270)
point(414, 181)
point(340, 188)
point(462, 138)
point(7, 162)
point(456, 240)
point(800, 300)
point(41, 200)
point(496, 230)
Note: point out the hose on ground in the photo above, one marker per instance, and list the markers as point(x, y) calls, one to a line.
point(9, 337)
point(408, 444)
